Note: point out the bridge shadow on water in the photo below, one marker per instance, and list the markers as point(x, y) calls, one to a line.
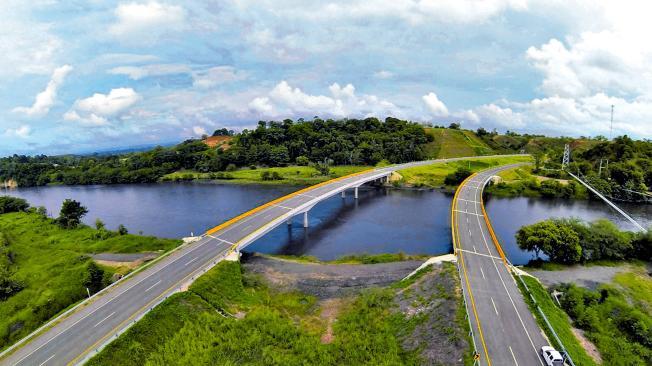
point(382, 220)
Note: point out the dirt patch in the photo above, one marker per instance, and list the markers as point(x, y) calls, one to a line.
point(433, 302)
point(123, 260)
point(585, 276)
point(329, 310)
point(326, 281)
point(589, 347)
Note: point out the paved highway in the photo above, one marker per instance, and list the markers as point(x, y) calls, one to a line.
point(504, 330)
point(78, 335)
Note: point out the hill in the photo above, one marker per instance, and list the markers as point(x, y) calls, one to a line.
point(451, 143)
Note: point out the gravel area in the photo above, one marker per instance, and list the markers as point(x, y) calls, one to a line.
point(125, 257)
point(326, 281)
point(585, 276)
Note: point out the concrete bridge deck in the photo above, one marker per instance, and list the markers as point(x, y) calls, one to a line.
point(85, 329)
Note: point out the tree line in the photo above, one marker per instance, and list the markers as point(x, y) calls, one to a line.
point(271, 143)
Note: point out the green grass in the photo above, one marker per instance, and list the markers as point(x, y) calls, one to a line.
point(638, 286)
point(433, 175)
point(557, 318)
point(296, 175)
point(51, 263)
point(450, 143)
point(272, 328)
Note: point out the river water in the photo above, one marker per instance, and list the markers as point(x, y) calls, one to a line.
point(381, 221)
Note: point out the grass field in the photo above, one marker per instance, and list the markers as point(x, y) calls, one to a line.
point(52, 264)
point(296, 175)
point(449, 143)
point(433, 175)
point(270, 328)
point(559, 320)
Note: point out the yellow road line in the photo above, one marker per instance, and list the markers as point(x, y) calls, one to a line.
point(493, 235)
point(278, 200)
point(455, 233)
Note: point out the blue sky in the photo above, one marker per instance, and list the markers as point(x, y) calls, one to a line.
point(78, 76)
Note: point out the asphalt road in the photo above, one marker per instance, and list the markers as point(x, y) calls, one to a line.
point(504, 330)
point(94, 324)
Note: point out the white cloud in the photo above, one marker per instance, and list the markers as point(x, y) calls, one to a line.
point(199, 130)
point(505, 117)
point(139, 23)
point(140, 72)
point(217, 75)
point(21, 131)
point(383, 74)
point(284, 100)
point(97, 109)
point(436, 106)
point(46, 99)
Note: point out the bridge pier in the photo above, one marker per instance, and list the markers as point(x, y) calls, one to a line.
point(343, 194)
point(289, 222)
point(305, 219)
point(355, 193)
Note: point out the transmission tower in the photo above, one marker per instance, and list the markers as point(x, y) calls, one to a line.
point(566, 158)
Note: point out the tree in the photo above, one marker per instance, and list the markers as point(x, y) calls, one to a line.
point(71, 214)
point(302, 160)
point(94, 279)
point(122, 230)
point(99, 225)
point(454, 126)
point(552, 237)
point(457, 177)
point(481, 132)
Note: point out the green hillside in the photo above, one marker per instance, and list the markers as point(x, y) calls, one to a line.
point(450, 143)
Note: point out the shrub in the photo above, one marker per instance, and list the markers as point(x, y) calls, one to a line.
point(457, 177)
point(122, 230)
point(12, 204)
point(71, 214)
point(303, 160)
point(231, 168)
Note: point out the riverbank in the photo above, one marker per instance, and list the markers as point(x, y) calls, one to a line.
point(51, 268)
point(271, 311)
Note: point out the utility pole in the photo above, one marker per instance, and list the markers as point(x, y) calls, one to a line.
point(566, 158)
point(611, 129)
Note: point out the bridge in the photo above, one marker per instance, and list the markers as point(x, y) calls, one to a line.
point(82, 331)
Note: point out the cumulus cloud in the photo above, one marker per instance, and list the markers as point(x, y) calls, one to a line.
point(434, 105)
point(284, 100)
point(21, 131)
point(97, 109)
point(505, 117)
point(145, 22)
point(140, 72)
point(383, 74)
point(46, 99)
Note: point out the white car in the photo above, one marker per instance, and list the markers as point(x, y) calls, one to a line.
point(552, 356)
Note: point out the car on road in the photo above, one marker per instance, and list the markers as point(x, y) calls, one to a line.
point(552, 356)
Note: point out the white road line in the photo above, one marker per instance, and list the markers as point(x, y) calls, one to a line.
point(222, 240)
point(192, 260)
point(247, 227)
point(46, 361)
point(285, 207)
point(475, 250)
point(102, 321)
point(507, 291)
point(480, 254)
point(462, 199)
point(152, 286)
point(470, 232)
point(108, 302)
point(268, 216)
point(466, 212)
point(494, 304)
point(481, 271)
point(514, 357)
point(306, 195)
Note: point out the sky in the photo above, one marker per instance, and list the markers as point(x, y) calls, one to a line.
point(82, 76)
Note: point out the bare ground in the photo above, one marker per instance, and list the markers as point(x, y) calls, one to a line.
point(585, 276)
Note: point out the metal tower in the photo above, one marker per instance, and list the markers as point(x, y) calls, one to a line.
point(566, 158)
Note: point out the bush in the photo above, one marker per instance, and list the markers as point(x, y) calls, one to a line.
point(12, 204)
point(122, 230)
point(457, 177)
point(231, 168)
point(303, 160)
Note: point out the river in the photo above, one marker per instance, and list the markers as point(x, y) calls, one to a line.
point(381, 221)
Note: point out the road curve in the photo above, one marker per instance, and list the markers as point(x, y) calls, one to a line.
point(504, 330)
point(76, 336)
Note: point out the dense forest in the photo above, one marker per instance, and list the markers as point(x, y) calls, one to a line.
point(347, 141)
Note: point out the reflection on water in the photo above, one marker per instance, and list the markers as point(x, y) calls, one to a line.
point(381, 221)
